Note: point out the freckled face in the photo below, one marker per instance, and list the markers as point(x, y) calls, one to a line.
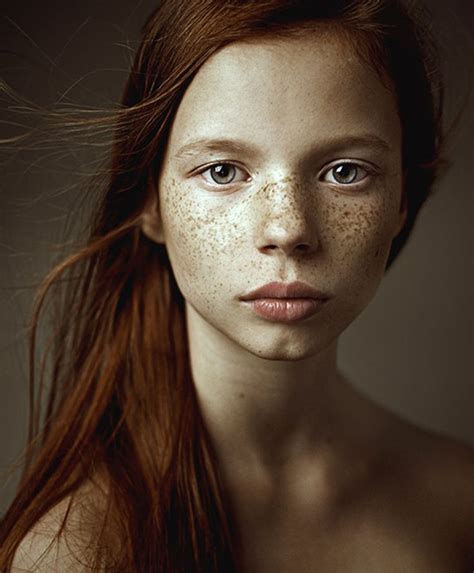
point(311, 192)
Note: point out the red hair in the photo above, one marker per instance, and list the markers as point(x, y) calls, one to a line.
point(121, 403)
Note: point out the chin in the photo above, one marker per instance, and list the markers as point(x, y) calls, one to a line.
point(279, 355)
point(287, 350)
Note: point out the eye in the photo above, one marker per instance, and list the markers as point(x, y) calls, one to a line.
point(345, 173)
point(223, 173)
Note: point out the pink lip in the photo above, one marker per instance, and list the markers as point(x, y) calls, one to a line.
point(286, 309)
point(277, 290)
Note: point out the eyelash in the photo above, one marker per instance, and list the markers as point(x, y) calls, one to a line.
point(368, 171)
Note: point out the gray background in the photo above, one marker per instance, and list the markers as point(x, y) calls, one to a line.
point(410, 350)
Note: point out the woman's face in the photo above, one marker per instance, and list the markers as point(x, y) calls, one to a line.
point(306, 185)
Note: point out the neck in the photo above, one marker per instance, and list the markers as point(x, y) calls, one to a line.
point(261, 412)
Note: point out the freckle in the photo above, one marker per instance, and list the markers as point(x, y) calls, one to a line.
point(241, 395)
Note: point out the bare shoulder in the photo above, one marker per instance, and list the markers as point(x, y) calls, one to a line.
point(64, 540)
point(43, 549)
point(435, 477)
point(441, 464)
point(446, 472)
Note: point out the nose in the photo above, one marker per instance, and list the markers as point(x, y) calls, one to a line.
point(286, 220)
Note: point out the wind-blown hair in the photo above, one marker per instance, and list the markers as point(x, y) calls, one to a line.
point(122, 404)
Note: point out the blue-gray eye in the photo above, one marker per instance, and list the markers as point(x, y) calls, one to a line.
point(345, 173)
point(222, 173)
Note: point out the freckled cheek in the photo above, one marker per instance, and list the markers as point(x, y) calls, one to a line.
point(200, 239)
point(358, 235)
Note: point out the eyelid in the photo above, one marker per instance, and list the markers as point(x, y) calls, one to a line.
point(202, 170)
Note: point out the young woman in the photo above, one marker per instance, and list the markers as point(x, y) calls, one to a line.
point(270, 160)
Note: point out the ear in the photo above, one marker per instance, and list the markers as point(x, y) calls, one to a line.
point(151, 224)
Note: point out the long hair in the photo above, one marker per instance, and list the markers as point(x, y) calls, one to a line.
point(121, 400)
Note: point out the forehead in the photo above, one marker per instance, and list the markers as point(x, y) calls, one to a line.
point(285, 90)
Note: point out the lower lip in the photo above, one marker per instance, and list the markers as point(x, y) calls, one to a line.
point(286, 309)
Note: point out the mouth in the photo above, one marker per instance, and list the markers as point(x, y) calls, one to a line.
point(286, 291)
point(286, 310)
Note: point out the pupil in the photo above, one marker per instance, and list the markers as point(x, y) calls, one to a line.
point(222, 171)
point(345, 173)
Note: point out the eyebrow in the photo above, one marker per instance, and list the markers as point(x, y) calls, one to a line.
point(203, 145)
point(246, 148)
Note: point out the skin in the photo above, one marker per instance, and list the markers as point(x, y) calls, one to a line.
point(320, 477)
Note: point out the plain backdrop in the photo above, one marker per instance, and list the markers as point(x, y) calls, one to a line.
point(411, 349)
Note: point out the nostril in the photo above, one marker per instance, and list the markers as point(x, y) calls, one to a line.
point(302, 247)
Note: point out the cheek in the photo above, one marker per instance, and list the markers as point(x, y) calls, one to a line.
point(200, 240)
point(358, 234)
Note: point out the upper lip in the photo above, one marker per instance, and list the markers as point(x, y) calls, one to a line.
point(296, 289)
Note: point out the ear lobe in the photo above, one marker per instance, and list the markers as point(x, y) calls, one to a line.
point(151, 224)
